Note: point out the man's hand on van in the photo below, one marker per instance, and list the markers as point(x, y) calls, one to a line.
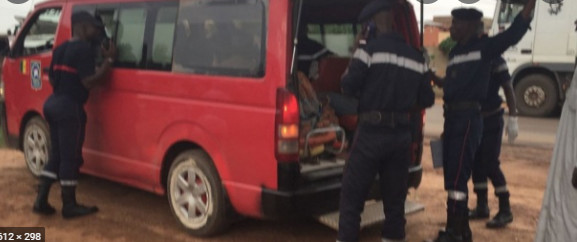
point(109, 53)
point(528, 9)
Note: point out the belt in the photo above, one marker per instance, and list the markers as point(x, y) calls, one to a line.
point(490, 113)
point(389, 119)
point(462, 106)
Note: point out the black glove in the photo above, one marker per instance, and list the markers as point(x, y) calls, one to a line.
point(574, 180)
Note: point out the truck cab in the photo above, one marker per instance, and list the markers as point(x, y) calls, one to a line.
point(542, 63)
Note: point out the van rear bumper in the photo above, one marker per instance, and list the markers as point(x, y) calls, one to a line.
point(308, 201)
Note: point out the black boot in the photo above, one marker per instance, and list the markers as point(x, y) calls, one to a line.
point(71, 209)
point(504, 216)
point(482, 209)
point(41, 205)
point(457, 230)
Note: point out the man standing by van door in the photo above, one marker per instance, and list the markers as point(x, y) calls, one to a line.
point(465, 87)
point(390, 77)
point(72, 74)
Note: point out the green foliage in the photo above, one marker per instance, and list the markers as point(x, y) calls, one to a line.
point(447, 45)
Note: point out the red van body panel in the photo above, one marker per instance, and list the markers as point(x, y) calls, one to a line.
point(138, 115)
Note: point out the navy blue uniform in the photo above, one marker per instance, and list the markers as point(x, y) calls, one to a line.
point(487, 164)
point(389, 78)
point(465, 87)
point(64, 111)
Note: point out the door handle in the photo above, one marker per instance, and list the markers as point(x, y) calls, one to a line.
point(526, 51)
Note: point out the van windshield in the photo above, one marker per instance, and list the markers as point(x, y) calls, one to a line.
point(221, 37)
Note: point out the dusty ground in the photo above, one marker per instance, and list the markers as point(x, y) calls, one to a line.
point(128, 214)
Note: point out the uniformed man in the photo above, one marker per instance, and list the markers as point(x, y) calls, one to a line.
point(465, 87)
point(72, 75)
point(391, 79)
point(487, 164)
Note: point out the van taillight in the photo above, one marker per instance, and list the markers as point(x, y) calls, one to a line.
point(286, 126)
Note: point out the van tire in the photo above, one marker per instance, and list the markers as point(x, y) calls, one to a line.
point(536, 95)
point(206, 195)
point(36, 145)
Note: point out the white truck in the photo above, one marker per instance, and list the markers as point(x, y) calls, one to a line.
point(542, 63)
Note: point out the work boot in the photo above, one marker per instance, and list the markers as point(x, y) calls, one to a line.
point(504, 216)
point(457, 230)
point(479, 213)
point(70, 208)
point(482, 209)
point(41, 205)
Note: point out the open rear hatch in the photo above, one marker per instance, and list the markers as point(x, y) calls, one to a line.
point(323, 148)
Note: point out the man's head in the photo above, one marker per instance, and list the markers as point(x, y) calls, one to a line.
point(379, 12)
point(85, 26)
point(465, 24)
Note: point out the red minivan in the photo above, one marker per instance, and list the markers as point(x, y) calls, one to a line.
point(199, 105)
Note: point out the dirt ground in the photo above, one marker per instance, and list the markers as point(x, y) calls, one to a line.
point(128, 214)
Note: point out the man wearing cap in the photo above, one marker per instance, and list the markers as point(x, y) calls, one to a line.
point(391, 79)
point(72, 74)
point(465, 87)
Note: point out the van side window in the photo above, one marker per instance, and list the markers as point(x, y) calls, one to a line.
point(221, 37)
point(130, 37)
point(39, 33)
point(163, 38)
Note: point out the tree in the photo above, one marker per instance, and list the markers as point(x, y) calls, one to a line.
point(447, 45)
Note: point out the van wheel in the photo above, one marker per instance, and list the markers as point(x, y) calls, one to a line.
point(36, 145)
point(196, 195)
point(536, 95)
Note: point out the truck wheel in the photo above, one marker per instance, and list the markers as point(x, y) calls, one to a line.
point(196, 195)
point(536, 95)
point(36, 145)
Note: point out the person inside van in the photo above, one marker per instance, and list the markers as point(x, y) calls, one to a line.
point(309, 53)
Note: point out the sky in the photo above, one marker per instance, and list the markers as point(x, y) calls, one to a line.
point(440, 7)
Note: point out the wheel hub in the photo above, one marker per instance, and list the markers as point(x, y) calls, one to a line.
point(534, 96)
point(35, 146)
point(191, 197)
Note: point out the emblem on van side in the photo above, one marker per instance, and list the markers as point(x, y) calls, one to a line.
point(35, 75)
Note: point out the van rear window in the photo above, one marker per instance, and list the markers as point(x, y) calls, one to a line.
point(221, 37)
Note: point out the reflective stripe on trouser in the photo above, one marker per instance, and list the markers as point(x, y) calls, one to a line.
point(487, 163)
point(67, 122)
point(49, 174)
point(461, 137)
point(68, 183)
point(382, 151)
point(501, 190)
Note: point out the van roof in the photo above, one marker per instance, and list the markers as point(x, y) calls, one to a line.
point(338, 10)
